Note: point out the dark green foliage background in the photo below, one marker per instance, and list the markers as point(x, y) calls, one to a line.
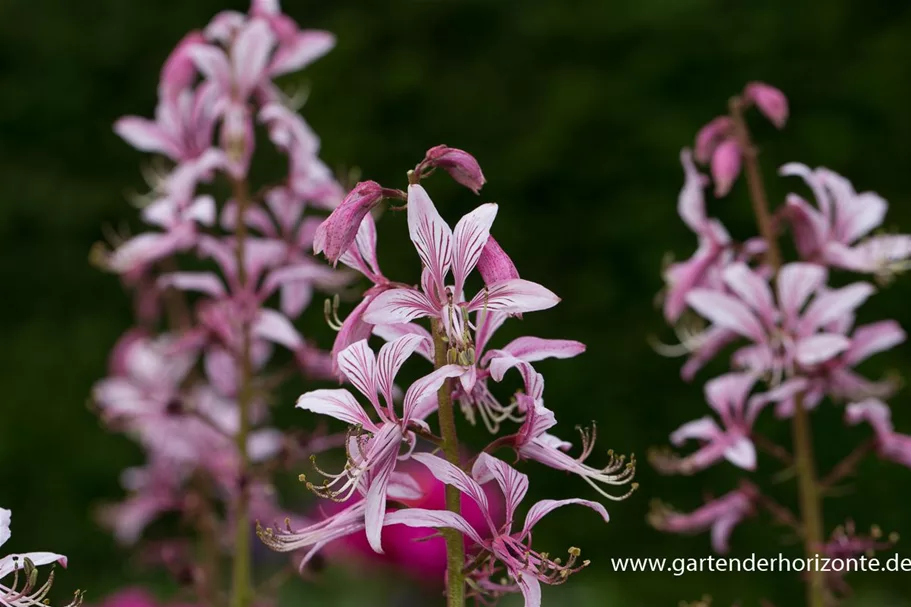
point(576, 110)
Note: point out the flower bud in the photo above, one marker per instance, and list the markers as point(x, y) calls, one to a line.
point(460, 165)
point(725, 166)
point(769, 100)
point(335, 235)
point(494, 264)
point(708, 137)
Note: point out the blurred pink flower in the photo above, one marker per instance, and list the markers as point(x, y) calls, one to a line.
point(889, 444)
point(785, 336)
point(720, 516)
point(836, 231)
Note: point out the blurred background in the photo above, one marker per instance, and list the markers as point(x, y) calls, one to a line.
point(577, 111)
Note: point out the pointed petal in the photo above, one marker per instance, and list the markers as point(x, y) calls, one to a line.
point(390, 437)
point(274, 326)
point(358, 363)
point(339, 404)
point(431, 236)
point(449, 474)
point(12, 562)
point(544, 507)
point(468, 240)
point(873, 338)
point(514, 297)
point(305, 48)
point(398, 306)
point(433, 519)
point(146, 136)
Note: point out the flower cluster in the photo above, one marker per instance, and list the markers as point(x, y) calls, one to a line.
point(793, 332)
point(218, 279)
point(437, 321)
point(24, 589)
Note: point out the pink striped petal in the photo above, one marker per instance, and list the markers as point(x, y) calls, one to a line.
point(468, 240)
point(338, 403)
point(431, 236)
point(358, 363)
point(514, 297)
point(398, 306)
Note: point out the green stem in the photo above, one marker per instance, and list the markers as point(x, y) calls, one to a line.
point(455, 547)
point(242, 576)
point(804, 462)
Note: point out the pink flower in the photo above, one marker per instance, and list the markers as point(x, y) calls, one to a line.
point(372, 456)
point(889, 444)
point(785, 336)
point(525, 567)
point(768, 100)
point(720, 515)
point(728, 397)
point(460, 165)
point(836, 377)
point(182, 129)
point(715, 244)
point(835, 232)
point(440, 248)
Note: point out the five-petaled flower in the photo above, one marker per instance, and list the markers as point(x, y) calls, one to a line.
point(374, 446)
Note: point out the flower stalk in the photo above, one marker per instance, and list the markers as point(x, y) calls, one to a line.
point(455, 547)
point(804, 460)
point(241, 585)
